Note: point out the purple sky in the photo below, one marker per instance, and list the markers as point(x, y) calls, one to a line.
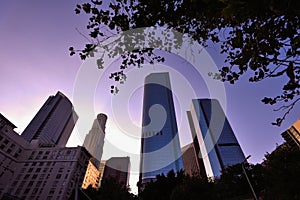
point(35, 63)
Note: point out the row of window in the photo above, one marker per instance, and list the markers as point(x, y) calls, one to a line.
point(152, 133)
point(9, 147)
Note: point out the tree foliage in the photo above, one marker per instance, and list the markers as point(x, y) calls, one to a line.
point(110, 190)
point(275, 178)
point(259, 38)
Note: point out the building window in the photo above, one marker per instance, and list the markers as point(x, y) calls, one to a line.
point(30, 183)
point(5, 141)
point(26, 176)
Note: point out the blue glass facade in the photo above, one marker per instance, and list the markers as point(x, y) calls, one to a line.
point(160, 148)
point(218, 144)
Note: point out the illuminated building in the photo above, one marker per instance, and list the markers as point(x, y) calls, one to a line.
point(292, 135)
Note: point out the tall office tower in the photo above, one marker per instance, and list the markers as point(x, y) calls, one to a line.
point(94, 140)
point(219, 147)
point(54, 122)
point(193, 165)
point(292, 135)
point(160, 147)
point(117, 168)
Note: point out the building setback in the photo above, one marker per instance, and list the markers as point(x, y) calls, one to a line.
point(94, 142)
point(292, 135)
point(219, 147)
point(54, 122)
point(160, 147)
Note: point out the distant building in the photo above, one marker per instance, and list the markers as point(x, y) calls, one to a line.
point(33, 171)
point(292, 135)
point(160, 147)
point(219, 147)
point(193, 165)
point(94, 140)
point(117, 168)
point(101, 171)
point(92, 174)
point(54, 122)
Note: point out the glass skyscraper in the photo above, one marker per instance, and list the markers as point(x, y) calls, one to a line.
point(160, 148)
point(219, 147)
point(54, 122)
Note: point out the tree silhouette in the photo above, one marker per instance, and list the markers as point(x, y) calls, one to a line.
point(110, 190)
point(259, 38)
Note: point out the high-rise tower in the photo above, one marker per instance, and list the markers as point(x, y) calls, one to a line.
point(219, 147)
point(94, 140)
point(160, 148)
point(54, 122)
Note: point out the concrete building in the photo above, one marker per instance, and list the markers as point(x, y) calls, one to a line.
point(54, 122)
point(94, 140)
point(219, 147)
point(37, 165)
point(101, 171)
point(292, 135)
point(117, 168)
point(33, 171)
point(92, 174)
point(160, 147)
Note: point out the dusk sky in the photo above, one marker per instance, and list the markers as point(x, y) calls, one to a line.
point(34, 40)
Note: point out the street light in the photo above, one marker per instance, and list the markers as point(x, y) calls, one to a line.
point(253, 192)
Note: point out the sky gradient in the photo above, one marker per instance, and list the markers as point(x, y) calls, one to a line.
point(35, 63)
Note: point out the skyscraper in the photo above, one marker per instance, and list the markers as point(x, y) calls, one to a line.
point(219, 147)
point(94, 140)
point(292, 135)
point(53, 123)
point(160, 148)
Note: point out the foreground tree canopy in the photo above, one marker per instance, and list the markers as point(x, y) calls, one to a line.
point(260, 38)
point(275, 178)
